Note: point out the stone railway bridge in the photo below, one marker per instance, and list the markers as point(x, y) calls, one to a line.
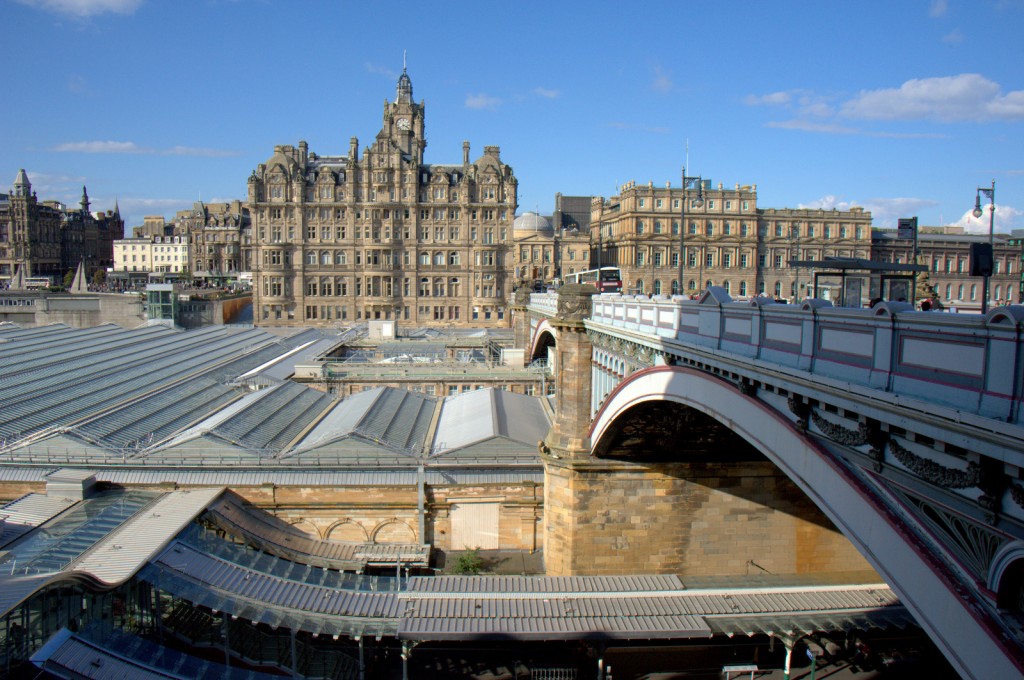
point(712, 437)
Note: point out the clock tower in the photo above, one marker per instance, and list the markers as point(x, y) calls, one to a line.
point(403, 120)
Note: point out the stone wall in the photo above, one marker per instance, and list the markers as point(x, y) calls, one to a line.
point(691, 519)
point(78, 311)
point(378, 514)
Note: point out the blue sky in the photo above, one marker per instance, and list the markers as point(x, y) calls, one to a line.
point(903, 107)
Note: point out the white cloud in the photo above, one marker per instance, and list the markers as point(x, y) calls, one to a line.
point(1007, 218)
point(546, 93)
point(829, 202)
point(481, 101)
point(771, 99)
point(938, 8)
point(662, 80)
point(837, 129)
point(954, 37)
point(885, 212)
point(99, 146)
point(381, 70)
point(84, 8)
point(966, 97)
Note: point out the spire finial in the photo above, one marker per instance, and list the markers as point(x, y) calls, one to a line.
point(403, 61)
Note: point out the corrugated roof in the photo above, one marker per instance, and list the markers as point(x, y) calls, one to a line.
point(476, 416)
point(126, 549)
point(277, 537)
point(28, 512)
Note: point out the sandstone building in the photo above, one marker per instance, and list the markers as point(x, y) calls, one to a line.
point(727, 240)
point(215, 233)
point(47, 239)
point(946, 251)
point(382, 235)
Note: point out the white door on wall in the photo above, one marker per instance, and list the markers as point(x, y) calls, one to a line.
point(474, 525)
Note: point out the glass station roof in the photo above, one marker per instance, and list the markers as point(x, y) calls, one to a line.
point(66, 537)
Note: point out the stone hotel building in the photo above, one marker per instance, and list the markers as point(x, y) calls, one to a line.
point(382, 235)
point(728, 240)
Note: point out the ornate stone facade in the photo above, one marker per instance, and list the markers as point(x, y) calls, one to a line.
point(47, 239)
point(341, 239)
point(727, 240)
point(946, 251)
point(214, 231)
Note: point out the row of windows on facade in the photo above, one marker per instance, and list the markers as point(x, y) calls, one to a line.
point(156, 248)
point(340, 313)
point(156, 258)
point(537, 254)
point(657, 288)
point(386, 193)
point(382, 258)
point(728, 260)
point(484, 235)
point(709, 204)
point(728, 229)
point(382, 286)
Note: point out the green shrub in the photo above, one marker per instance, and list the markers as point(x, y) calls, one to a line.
point(468, 562)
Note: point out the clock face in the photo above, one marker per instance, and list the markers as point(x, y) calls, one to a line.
point(404, 124)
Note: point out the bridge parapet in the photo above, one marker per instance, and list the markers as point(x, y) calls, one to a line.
point(971, 363)
point(545, 303)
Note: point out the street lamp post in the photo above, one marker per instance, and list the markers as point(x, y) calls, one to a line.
point(688, 182)
point(990, 192)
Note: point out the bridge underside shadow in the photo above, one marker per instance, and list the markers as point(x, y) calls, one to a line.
point(675, 491)
point(605, 511)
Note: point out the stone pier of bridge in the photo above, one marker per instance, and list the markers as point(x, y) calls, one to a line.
point(671, 492)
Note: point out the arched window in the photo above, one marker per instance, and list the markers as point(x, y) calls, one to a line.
point(960, 292)
point(640, 286)
point(657, 287)
point(726, 286)
point(453, 286)
point(325, 257)
point(438, 287)
point(708, 284)
point(999, 290)
point(778, 289)
point(453, 258)
point(311, 257)
point(691, 285)
point(949, 291)
point(425, 259)
point(974, 291)
point(743, 287)
point(339, 257)
point(675, 287)
point(327, 286)
point(439, 259)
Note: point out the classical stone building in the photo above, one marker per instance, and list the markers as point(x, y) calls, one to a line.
point(384, 235)
point(946, 251)
point(47, 239)
point(214, 232)
point(158, 254)
point(728, 240)
point(544, 253)
point(29, 232)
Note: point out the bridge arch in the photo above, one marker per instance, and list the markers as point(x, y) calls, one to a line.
point(545, 336)
point(925, 584)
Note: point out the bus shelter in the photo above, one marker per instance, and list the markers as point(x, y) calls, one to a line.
point(851, 281)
